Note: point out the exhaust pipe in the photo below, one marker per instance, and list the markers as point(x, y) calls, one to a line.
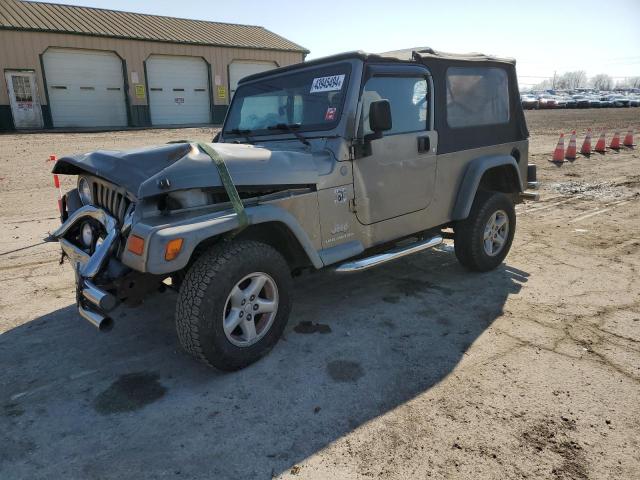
point(102, 323)
point(101, 299)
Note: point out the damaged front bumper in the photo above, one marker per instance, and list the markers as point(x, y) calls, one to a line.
point(94, 304)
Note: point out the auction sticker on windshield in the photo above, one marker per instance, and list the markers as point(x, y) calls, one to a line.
point(327, 84)
point(330, 116)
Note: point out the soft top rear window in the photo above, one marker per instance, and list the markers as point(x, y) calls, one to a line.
point(477, 96)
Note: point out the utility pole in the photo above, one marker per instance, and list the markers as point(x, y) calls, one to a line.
point(554, 80)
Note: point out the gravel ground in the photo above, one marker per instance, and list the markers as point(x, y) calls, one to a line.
point(417, 369)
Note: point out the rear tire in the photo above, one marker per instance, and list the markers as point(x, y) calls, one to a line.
point(483, 239)
point(234, 304)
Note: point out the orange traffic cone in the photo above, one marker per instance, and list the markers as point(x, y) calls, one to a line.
point(615, 142)
point(571, 149)
point(601, 144)
point(586, 145)
point(558, 153)
point(628, 139)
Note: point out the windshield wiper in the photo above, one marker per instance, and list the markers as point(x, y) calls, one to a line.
point(243, 133)
point(290, 127)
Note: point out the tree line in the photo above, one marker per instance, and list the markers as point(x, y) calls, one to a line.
point(579, 79)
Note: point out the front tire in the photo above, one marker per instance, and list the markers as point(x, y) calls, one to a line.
point(483, 239)
point(234, 304)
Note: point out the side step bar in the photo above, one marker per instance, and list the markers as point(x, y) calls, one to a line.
point(365, 263)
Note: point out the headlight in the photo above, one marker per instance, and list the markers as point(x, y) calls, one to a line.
point(87, 235)
point(84, 190)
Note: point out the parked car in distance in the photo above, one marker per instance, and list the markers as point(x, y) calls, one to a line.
point(594, 102)
point(605, 101)
point(529, 102)
point(579, 98)
point(581, 101)
point(561, 102)
point(619, 101)
point(547, 101)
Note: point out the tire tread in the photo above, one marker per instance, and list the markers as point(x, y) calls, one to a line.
point(468, 251)
point(194, 287)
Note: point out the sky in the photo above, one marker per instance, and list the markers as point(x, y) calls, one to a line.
point(544, 36)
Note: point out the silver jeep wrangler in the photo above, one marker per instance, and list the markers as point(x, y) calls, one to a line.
point(347, 162)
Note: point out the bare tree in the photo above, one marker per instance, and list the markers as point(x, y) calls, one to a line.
point(629, 82)
point(578, 79)
point(602, 81)
point(543, 85)
point(572, 80)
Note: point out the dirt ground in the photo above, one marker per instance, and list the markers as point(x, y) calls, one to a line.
point(415, 370)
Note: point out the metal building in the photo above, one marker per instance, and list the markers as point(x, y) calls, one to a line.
point(68, 67)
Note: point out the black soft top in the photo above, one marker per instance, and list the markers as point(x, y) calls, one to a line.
point(421, 53)
point(449, 139)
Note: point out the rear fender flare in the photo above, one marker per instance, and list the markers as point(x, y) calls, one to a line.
point(472, 177)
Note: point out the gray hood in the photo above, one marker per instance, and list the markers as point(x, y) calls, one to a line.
point(185, 166)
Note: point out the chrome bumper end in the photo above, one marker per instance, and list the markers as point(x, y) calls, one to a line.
point(93, 302)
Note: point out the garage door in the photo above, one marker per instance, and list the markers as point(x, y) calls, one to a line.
point(85, 87)
point(178, 90)
point(241, 69)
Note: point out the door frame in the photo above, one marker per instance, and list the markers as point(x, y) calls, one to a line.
point(35, 94)
point(400, 70)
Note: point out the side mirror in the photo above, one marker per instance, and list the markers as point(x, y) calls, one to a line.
point(379, 119)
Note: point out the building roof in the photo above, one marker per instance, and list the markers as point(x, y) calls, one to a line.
point(56, 18)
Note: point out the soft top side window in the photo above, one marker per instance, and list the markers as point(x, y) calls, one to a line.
point(477, 96)
point(407, 97)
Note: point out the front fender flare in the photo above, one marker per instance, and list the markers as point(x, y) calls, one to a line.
point(196, 230)
point(471, 181)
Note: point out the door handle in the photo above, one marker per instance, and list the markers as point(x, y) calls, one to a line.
point(424, 144)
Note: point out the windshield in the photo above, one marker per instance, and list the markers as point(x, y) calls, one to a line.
point(306, 100)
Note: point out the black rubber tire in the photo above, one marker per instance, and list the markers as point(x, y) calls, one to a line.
point(203, 294)
point(469, 233)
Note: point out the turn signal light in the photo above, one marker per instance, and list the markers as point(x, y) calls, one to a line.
point(135, 244)
point(173, 249)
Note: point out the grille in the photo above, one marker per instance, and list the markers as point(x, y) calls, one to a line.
point(110, 199)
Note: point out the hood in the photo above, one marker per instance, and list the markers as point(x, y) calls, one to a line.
point(185, 166)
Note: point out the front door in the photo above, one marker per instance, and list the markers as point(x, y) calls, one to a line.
point(23, 97)
point(398, 176)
